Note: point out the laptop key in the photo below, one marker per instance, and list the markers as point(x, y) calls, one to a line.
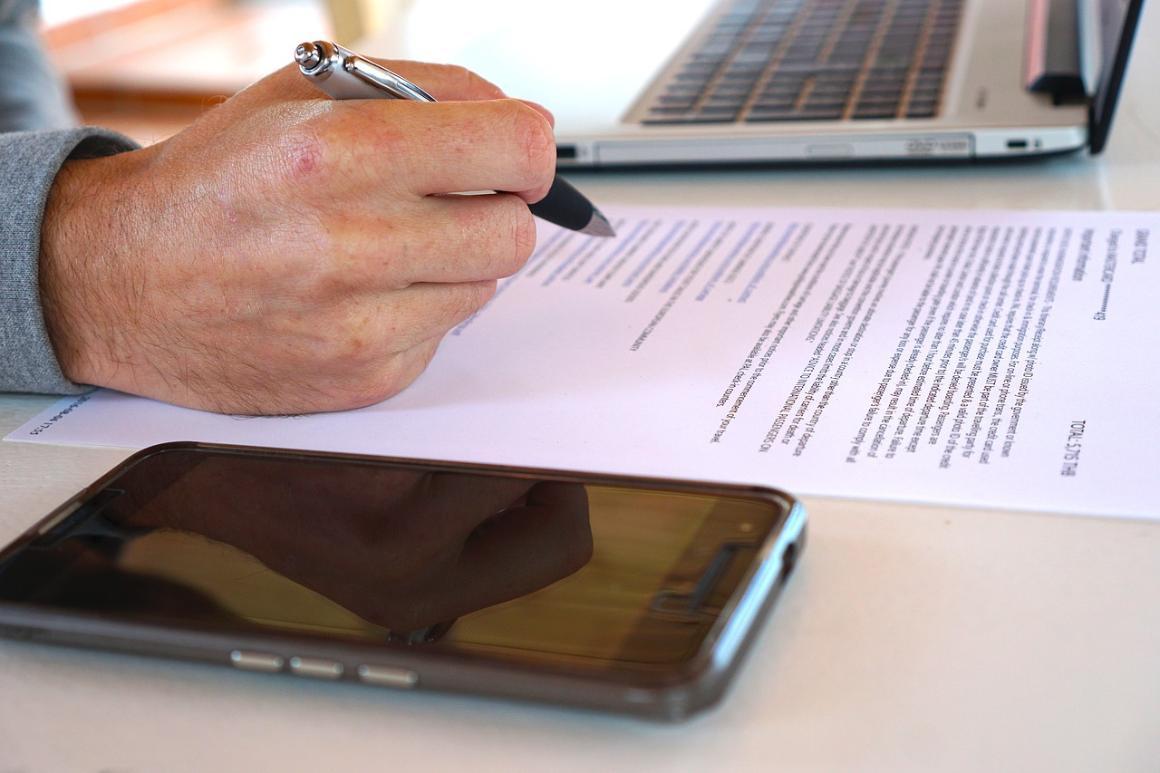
point(721, 105)
point(688, 119)
point(773, 106)
point(825, 106)
point(791, 117)
point(719, 112)
point(871, 114)
point(768, 116)
point(915, 111)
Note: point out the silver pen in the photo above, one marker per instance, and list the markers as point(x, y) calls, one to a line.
point(343, 74)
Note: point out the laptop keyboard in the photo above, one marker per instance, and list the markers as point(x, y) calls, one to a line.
point(812, 60)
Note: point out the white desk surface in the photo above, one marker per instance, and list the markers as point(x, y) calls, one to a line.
point(911, 638)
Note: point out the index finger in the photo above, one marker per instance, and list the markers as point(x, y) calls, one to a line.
point(445, 82)
point(451, 83)
point(392, 146)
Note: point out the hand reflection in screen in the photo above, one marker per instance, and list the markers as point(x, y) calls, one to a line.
point(402, 549)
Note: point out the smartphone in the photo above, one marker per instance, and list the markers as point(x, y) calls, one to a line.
point(615, 593)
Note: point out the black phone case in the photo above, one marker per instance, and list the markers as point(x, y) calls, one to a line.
point(671, 694)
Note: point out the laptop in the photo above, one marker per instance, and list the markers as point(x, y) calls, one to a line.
point(641, 83)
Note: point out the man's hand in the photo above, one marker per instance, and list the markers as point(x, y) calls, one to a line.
point(289, 253)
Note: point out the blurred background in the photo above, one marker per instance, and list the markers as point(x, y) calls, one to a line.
point(149, 67)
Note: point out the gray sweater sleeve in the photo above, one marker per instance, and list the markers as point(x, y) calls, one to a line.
point(32, 159)
point(33, 144)
point(32, 94)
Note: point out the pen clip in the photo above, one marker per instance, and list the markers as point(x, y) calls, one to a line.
point(343, 74)
point(382, 78)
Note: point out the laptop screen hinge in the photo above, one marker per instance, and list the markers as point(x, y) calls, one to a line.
point(1053, 57)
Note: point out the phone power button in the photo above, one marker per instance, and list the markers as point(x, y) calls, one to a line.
point(388, 676)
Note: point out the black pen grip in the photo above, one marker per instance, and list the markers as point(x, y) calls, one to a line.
point(565, 206)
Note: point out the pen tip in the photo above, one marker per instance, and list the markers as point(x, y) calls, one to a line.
point(598, 226)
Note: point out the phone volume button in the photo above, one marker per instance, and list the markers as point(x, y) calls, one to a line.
point(388, 676)
point(316, 668)
point(248, 660)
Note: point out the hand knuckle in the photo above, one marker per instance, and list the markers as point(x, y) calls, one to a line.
point(467, 81)
point(523, 235)
point(461, 303)
point(485, 291)
point(366, 381)
point(350, 346)
point(479, 85)
point(536, 143)
point(302, 152)
point(462, 75)
point(368, 390)
point(396, 373)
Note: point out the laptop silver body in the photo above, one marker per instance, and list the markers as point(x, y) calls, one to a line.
point(594, 63)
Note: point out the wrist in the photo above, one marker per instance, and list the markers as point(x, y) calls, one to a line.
point(83, 234)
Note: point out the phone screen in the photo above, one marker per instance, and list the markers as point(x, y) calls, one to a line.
point(398, 555)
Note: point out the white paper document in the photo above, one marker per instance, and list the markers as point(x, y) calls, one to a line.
point(1002, 359)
